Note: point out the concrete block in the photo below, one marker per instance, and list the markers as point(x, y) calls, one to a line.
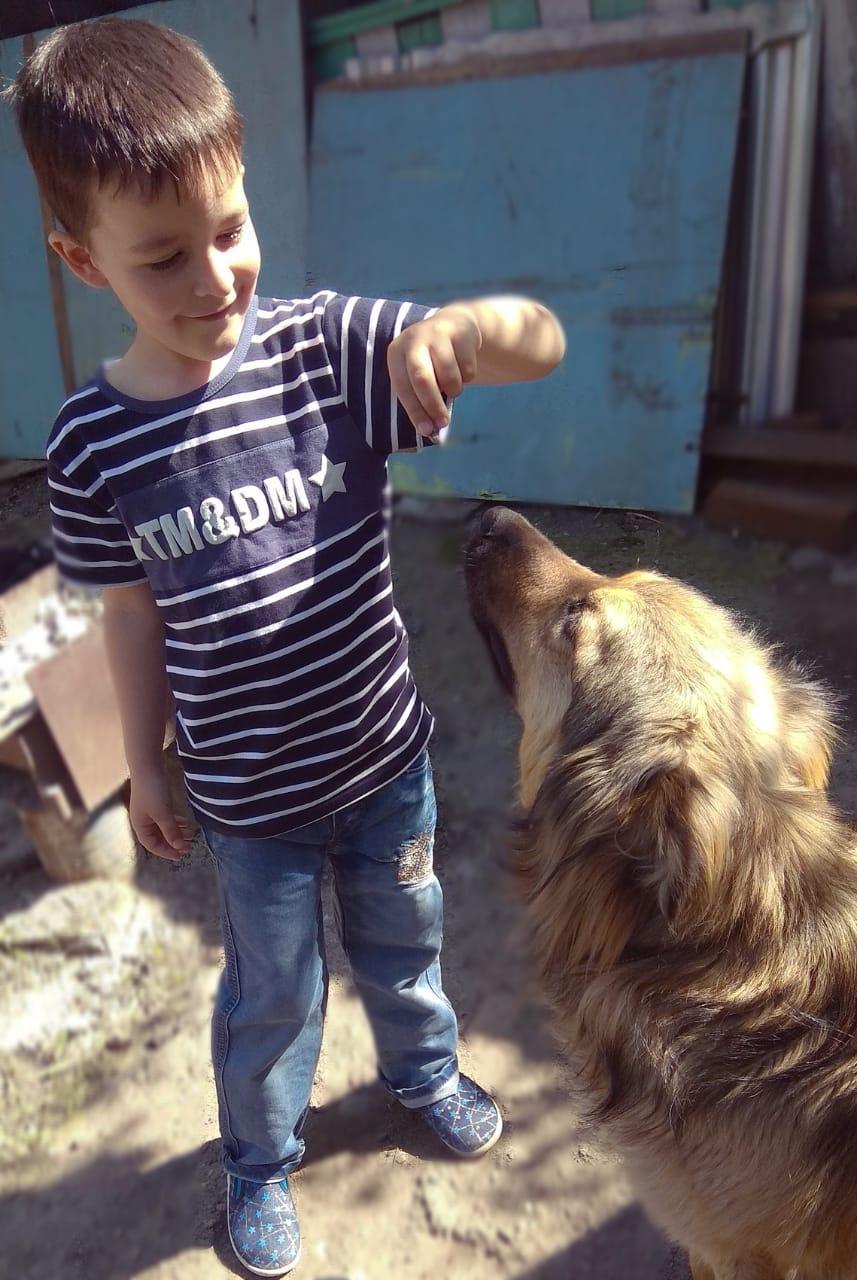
point(468, 21)
point(376, 43)
point(562, 13)
point(673, 6)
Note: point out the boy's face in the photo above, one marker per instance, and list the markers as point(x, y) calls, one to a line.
point(184, 270)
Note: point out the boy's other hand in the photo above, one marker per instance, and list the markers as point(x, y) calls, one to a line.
point(156, 824)
point(431, 361)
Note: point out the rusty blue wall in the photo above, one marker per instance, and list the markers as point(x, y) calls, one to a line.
point(256, 46)
point(31, 386)
point(603, 192)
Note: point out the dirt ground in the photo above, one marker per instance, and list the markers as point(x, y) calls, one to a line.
point(115, 1173)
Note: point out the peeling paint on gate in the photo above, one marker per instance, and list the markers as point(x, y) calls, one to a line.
point(616, 220)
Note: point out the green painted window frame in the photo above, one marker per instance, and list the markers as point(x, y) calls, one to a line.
point(419, 33)
point(418, 24)
point(729, 4)
point(380, 13)
point(514, 15)
point(612, 10)
point(329, 59)
point(506, 15)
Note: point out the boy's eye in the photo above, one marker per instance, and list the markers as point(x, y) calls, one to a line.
point(165, 263)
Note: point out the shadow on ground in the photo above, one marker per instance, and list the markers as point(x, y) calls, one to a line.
point(605, 1252)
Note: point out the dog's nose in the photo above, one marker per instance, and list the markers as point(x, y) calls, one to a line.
point(495, 529)
point(483, 531)
point(496, 523)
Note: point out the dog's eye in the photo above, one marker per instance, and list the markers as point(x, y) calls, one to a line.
point(570, 616)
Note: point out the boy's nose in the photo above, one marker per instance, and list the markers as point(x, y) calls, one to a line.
point(215, 278)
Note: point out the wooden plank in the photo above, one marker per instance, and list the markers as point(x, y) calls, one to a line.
point(45, 764)
point(19, 605)
point(800, 421)
point(705, 44)
point(12, 753)
point(75, 695)
point(834, 247)
point(796, 448)
point(828, 370)
point(824, 519)
point(818, 479)
point(826, 301)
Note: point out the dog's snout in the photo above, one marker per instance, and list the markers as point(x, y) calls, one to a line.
point(498, 525)
point(498, 533)
point(489, 518)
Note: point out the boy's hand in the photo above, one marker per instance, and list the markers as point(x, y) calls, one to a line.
point(430, 362)
point(156, 824)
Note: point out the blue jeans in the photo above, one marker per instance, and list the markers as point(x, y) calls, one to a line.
point(269, 1010)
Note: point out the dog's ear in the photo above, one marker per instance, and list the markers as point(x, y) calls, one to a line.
point(609, 840)
point(809, 734)
point(681, 827)
point(584, 907)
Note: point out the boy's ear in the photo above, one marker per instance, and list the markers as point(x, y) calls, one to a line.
point(77, 258)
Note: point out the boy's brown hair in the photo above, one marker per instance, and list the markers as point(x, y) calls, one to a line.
point(124, 103)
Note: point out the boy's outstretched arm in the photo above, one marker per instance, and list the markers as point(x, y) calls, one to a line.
point(484, 341)
point(134, 636)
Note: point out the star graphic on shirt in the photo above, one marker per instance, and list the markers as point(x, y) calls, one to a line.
point(330, 477)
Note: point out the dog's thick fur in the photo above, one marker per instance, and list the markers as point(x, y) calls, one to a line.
point(692, 897)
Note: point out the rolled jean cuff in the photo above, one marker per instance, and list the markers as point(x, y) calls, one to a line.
point(264, 1175)
point(424, 1095)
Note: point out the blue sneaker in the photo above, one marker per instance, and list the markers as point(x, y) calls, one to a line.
point(263, 1225)
point(468, 1121)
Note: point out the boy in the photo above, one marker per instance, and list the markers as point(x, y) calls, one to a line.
point(224, 482)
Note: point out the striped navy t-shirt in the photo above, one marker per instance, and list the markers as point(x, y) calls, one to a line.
point(256, 509)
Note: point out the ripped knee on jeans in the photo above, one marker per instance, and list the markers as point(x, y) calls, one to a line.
point(415, 859)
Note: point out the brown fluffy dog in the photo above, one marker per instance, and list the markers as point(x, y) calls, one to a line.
point(692, 897)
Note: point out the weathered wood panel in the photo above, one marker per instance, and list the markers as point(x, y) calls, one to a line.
point(31, 383)
point(603, 192)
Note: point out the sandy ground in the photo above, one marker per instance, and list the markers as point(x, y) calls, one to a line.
point(122, 1179)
